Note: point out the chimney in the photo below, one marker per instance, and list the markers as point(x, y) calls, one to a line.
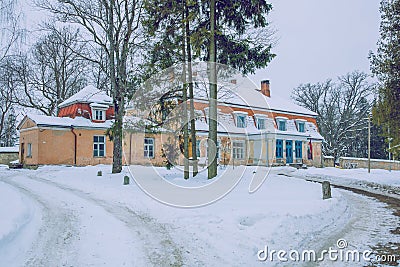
point(265, 88)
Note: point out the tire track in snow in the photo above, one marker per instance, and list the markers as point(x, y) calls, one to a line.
point(54, 237)
point(159, 247)
point(77, 232)
point(370, 224)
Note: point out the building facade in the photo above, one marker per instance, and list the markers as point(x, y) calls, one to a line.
point(253, 129)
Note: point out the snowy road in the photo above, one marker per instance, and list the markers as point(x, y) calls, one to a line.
point(69, 216)
point(78, 230)
point(370, 223)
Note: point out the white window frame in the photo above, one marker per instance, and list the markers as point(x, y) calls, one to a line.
point(146, 147)
point(240, 114)
point(243, 123)
point(97, 144)
point(29, 150)
point(258, 119)
point(100, 112)
point(302, 123)
point(238, 152)
point(280, 120)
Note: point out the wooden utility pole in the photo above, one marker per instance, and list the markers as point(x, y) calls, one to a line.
point(369, 143)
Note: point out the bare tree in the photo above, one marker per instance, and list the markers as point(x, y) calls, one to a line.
point(342, 109)
point(52, 71)
point(10, 36)
point(7, 93)
point(11, 33)
point(114, 26)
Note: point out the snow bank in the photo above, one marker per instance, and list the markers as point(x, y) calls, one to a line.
point(285, 212)
point(15, 213)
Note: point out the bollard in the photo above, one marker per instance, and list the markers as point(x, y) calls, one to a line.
point(326, 190)
point(99, 173)
point(126, 180)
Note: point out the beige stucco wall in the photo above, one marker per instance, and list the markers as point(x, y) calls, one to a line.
point(56, 146)
point(85, 147)
point(134, 148)
point(29, 136)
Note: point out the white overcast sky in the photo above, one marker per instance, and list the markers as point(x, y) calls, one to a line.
point(317, 40)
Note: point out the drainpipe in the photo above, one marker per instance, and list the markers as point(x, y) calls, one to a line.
point(75, 142)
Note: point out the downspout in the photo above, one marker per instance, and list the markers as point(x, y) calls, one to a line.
point(75, 143)
point(130, 148)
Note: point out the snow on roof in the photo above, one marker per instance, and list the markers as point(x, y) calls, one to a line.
point(226, 124)
point(13, 149)
point(245, 93)
point(89, 94)
point(64, 122)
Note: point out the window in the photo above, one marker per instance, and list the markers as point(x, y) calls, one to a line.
point(99, 146)
point(198, 148)
point(149, 147)
point(29, 152)
point(241, 121)
point(99, 115)
point(282, 125)
point(260, 123)
point(298, 149)
point(279, 148)
point(238, 149)
point(301, 127)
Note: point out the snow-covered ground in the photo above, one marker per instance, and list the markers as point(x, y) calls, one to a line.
point(377, 181)
point(69, 216)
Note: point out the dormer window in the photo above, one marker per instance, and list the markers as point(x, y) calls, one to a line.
point(281, 121)
point(98, 112)
point(260, 121)
point(301, 125)
point(241, 121)
point(240, 118)
point(99, 115)
point(282, 125)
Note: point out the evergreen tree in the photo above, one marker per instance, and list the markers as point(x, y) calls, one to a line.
point(239, 38)
point(385, 64)
point(9, 133)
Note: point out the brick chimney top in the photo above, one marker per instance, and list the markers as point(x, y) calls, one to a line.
point(265, 88)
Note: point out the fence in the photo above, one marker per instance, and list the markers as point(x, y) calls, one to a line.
point(352, 163)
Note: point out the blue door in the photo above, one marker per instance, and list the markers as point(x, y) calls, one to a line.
point(289, 151)
point(298, 149)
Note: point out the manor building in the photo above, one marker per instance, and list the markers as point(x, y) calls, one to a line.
point(253, 129)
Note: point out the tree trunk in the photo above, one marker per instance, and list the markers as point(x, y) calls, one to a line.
point(184, 103)
point(117, 135)
point(117, 97)
point(191, 96)
point(212, 121)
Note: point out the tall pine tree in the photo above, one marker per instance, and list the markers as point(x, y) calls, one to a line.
point(385, 64)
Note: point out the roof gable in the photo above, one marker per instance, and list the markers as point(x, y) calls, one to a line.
point(89, 94)
point(26, 123)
